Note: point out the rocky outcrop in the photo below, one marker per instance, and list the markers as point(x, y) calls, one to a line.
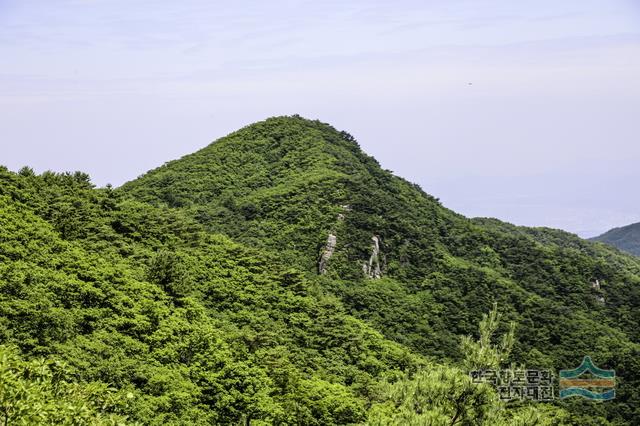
point(327, 252)
point(596, 285)
point(372, 268)
point(330, 245)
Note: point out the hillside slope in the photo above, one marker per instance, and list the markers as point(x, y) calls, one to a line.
point(419, 273)
point(114, 311)
point(164, 323)
point(625, 238)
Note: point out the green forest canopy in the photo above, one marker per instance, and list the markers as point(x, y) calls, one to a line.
point(192, 295)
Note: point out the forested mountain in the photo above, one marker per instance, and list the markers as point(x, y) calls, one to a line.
point(626, 238)
point(281, 276)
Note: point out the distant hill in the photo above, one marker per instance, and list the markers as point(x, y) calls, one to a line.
point(626, 238)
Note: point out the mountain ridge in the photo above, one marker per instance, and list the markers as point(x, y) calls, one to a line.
point(439, 264)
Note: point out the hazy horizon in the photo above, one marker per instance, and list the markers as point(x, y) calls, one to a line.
point(523, 112)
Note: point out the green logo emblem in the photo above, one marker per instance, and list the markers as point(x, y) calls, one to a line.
point(588, 381)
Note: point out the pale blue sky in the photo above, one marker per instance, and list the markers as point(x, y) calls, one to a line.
point(546, 134)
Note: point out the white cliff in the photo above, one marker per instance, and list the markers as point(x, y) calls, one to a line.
point(372, 268)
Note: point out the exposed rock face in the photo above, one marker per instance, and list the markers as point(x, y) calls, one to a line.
point(372, 268)
point(329, 248)
point(330, 245)
point(596, 285)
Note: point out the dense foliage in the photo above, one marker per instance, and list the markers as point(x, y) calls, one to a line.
point(196, 328)
point(192, 295)
point(42, 392)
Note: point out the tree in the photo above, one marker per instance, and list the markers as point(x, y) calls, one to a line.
point(167, 270)
point(437, 396)
point(484, 353)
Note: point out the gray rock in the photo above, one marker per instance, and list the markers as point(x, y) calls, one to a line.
point(372, 268)
point(329, 248)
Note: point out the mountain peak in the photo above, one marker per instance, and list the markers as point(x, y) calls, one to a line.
point(258, 156)
point(290, 177)
point(293, 126)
